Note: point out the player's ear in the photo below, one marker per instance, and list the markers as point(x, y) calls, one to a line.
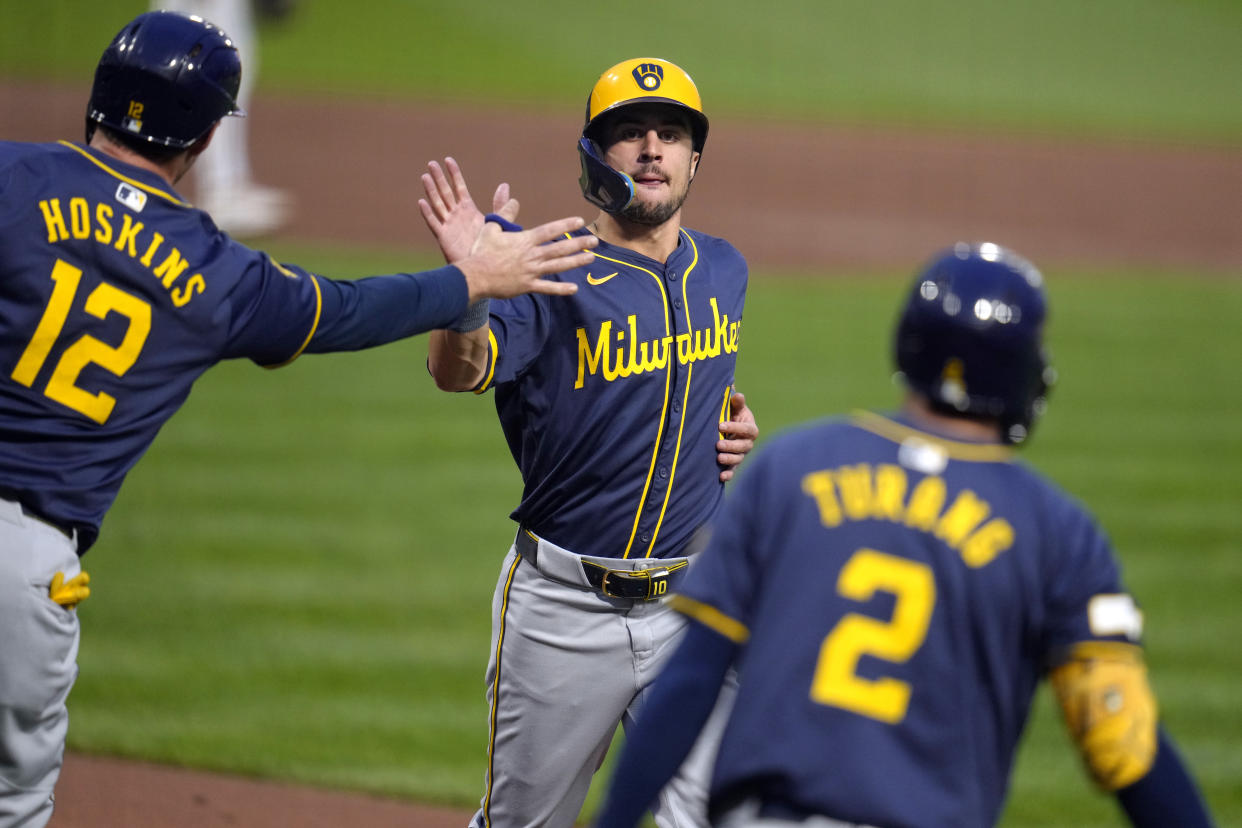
point(694, 164)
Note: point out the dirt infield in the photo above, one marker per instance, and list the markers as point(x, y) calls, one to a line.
point(806, 198)
point(798, 198)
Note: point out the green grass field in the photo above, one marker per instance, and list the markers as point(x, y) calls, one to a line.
point(295, 582)
point(1139, 68)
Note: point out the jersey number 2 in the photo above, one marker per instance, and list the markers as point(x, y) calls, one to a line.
point(87, 350)
point(836, 680)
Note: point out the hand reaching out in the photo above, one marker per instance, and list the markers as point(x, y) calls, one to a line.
point(450, 212)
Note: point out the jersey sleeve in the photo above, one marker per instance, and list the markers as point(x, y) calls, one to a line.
point(1085, 599)
point(276, 311)
point(518, 331)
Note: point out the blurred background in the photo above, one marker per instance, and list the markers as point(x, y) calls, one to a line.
point(296, 582)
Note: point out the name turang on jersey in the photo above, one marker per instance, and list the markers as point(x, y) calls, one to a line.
point(863, 491)
point(76, 217)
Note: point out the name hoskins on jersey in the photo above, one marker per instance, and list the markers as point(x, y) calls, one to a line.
point(82, 221)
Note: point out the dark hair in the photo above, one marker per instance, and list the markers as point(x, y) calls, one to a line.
point(158, 153)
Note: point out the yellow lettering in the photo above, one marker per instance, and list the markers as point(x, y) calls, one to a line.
point(194, 286)
point(618, 368)
point(171, 268)
point(926, 501)
point(589, 360)
point(819, 486)
point(854, 483)
point(659, 358)
point(103, 217)
point(683, 349)
point(79, 218)
point(635, 367)
point(129, 232)
point(149, 256)
point(993, 538)
point(967, 512)
point(720, 328)
point(55, 220)
point(890, 492)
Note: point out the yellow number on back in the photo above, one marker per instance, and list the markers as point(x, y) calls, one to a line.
point(87, 350)
point(836, 680)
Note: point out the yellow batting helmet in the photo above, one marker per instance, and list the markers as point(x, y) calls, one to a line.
point(646, 80)
point(634, 81)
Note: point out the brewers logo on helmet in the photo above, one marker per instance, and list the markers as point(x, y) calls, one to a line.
point(636, 81)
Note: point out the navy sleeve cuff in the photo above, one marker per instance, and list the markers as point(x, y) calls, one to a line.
point(378, 309)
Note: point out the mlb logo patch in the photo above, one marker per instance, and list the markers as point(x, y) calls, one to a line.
point(132, 197)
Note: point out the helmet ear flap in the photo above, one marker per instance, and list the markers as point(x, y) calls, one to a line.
point(606, 188)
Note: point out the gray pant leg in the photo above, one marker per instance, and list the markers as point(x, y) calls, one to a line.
point(560, 677)
point(683, 801)
point(38, 665)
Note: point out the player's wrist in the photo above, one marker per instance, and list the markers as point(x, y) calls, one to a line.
point(475, 317)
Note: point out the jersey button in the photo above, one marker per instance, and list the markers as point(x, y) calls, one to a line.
point(672, 277)
point(645, 537)
point(663, 472)
point(677, 304)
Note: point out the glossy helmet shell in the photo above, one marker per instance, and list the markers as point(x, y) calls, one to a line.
point(970, 337)
point(635, 81)
point(166, 78)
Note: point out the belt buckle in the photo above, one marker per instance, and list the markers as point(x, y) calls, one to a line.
point(654, 582)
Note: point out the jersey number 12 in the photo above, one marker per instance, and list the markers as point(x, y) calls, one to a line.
point(87, 350)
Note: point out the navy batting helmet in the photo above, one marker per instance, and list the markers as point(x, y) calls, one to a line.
point(970, 337)
point(166, 79)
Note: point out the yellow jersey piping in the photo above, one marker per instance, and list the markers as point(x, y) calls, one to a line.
point(976, 452)
point(144, 187)
point(668, 378)
point(711, 618)
point(491, 719)
point(493, 353)
point(685, 401)
point(314, 324)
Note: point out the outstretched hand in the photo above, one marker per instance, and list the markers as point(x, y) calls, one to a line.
point(738, 435)
point(504, 264)
point(450, 212)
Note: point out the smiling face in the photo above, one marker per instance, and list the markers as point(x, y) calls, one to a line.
point(652, 143)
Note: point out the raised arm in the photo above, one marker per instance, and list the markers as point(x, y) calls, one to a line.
point(457, 356)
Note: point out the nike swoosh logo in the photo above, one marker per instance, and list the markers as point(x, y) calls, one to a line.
point(591, 280)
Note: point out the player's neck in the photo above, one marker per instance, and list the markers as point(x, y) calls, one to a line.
point(917, 409)
point(655, 242)
point(171, 170)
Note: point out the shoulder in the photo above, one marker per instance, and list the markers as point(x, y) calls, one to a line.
point(714, 246)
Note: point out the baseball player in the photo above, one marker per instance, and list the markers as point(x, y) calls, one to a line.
point(115, 295)
point(892, 589)
point(619, 409)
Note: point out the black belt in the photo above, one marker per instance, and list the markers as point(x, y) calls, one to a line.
point(633, 584)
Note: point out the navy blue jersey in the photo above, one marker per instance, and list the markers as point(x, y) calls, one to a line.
point(902, 595)
point(116, 295)
point(611, 399)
